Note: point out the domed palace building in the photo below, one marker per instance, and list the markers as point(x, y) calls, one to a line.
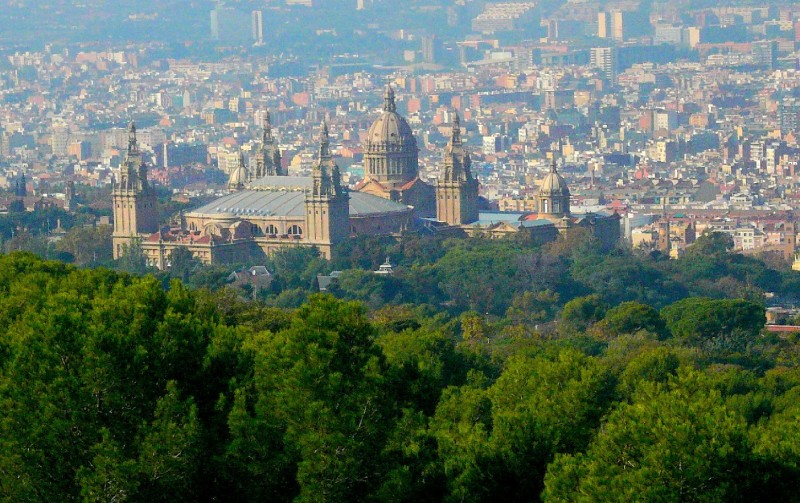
point(266, 209)
point(391, 162)
point(553, 217)
point(258, 216)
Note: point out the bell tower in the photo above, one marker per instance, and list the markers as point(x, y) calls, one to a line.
point(327, 202)
point(456, 189)
point(133, 200)
point(268, 159)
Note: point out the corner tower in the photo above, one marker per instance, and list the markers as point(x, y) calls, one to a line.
point(133, 200)
point(456, 189)
point(391, 156)
point(268, 159)
point(327, 203)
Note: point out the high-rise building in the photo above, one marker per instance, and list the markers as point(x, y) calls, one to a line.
point(790, 116)
point(617, 25)
point(505, 16)
point(765, 53)
point(60, 140)
point(229, 24)
point(429, 48)
point(611, 25)
point(665, 119)
point(603, 25)
point(604, 58)
point(257, 26)
point(80, 150)
point(227, 160)
point(668, 34)
point(492, 144)
point(690, 36)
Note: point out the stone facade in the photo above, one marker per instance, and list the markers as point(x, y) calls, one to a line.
point(456, 189)
point(391, 162)
point(255, 219)
point(326, 204)
point(133, 200)
point(268, 158)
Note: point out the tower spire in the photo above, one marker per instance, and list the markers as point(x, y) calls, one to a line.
point(133, 200)
point(326, 202)
point(388, 99)
point(132, 144)
point(553, 165)
point(268, 156)
point(326, 175)
point(456, 189)
point(324, 142)
point(267, 134)
point(455, 134)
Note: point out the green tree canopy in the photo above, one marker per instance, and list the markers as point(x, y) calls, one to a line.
point(701, 319)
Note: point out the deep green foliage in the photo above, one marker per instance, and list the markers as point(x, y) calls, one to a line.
point(115, 387)
point(698, 320)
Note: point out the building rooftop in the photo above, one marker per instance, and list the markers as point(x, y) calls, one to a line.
point(286, 202)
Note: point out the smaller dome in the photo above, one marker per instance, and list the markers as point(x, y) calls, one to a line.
point(554, 185)
point(239, 175)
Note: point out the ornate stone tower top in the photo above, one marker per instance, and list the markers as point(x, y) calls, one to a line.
point(133, 173)
point(327, 204)
point(268, 158)
point(266, 136)
point(457, 163)
point(133, 200)
point(456, 189)
point(327, 180)
point(133, 146)
point(388, 99)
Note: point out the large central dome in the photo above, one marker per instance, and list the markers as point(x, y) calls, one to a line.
point(390, 152)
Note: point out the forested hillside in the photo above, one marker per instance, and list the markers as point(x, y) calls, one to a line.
point(116, 387)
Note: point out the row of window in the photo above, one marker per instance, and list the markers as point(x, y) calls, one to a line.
point(271, 230)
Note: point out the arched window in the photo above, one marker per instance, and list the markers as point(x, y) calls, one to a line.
point(272, 230)
point(295, 230)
